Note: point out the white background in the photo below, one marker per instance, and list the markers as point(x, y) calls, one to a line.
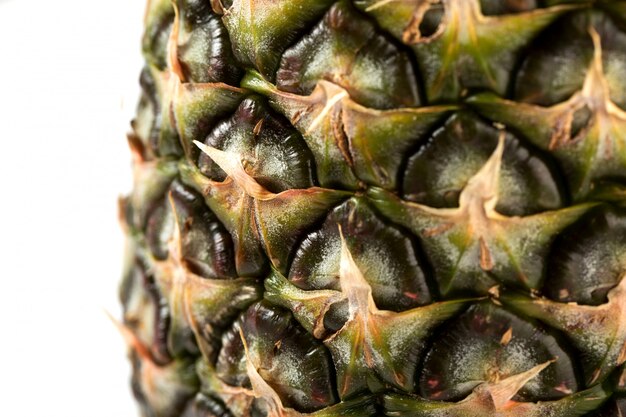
point(68, 87)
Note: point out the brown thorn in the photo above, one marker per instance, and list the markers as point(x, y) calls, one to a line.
point(506, 337)
point(378, 4)
point(482, 188)
point(494, 291)
point(340, 136)
point(176, 238)
point(260, 388)
point(562, 387)
point(562, 130)
point(298, 115)
point(257, 127)
point(486, 261)
point(232, 165)
point(318, 326)
point(131, 339)
point(411, 33)
point(505, 389)
point(137, 148)
point(331, 102)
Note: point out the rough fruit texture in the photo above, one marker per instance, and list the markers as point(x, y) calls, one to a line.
point(379, 207)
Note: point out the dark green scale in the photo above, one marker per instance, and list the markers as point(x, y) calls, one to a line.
point(488, 343)
point(276, 151)
point(206, 55)
point(438, 172)
point(369, 119)
point(589, 258)
point(345, 48)
point(291, 360)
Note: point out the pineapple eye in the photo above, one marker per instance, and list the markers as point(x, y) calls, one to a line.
point(387, 256)
point(489, 344)
point(207, 248)
point(299, 371)
point(346, 49)
point(159, 229)
point(561, 57)
point(440, 169)
point(145, 310)
point(275, 154)
point(204, 48)
point(588, 259)
point(159, 20)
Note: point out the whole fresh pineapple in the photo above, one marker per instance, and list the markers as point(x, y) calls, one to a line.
point(379, 207)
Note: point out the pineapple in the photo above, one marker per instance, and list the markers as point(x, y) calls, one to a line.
point(379, 207)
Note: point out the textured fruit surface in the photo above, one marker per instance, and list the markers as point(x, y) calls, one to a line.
point(379, 207)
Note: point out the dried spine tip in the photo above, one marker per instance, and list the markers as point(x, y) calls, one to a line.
point(595, 88)
point(217, 6)
point(131, 339)
point(480, 195)
point(506, 337)
point(594, 95)
point(231, 164)
point(172, 47)
point(501, 392)
point(605, 327)
point(260, 388)
point(353, 284)
point(330, 103)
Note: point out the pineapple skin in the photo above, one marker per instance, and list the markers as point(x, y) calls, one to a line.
point(378, 208)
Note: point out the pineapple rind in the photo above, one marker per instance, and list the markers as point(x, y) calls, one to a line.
point(282, 173)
